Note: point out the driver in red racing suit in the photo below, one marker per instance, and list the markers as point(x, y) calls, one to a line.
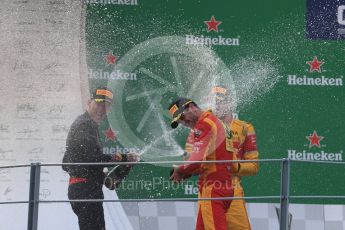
point(210, 144)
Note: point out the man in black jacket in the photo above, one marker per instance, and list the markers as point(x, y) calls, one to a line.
point(83, 146)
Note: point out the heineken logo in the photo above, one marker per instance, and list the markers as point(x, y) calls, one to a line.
point(315, 156)
point(113, 75)
point(212, 26)
point(315, 66)
point(315, 81)
point(109, 134)
point(119, 149)
point(110, 58)
point(314, 140)
point(191, 189)
point(209, 41)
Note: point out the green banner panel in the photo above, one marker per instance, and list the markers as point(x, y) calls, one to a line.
point(283, 63)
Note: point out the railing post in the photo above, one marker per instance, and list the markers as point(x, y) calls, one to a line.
point(34, 193)
point(284, 194)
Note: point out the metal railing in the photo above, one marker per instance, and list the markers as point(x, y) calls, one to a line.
point(284, 197)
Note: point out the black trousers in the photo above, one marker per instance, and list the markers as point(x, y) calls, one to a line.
point(90, 214)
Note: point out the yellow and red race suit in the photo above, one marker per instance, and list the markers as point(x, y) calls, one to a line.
point(244, 142)
point(215, 179)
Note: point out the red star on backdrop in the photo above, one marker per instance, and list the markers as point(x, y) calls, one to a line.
point(110, 135)
point(212, 24)
point(315, 65)
point(314, 140)
point(110, 58)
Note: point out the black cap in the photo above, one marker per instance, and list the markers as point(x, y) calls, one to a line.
point(176, 108)
point(102, 94)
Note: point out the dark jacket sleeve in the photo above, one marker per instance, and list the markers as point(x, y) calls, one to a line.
point(85, 145)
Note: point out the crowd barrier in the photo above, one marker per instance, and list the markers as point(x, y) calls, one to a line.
point(284, 197)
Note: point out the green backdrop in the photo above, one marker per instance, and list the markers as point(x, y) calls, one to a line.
point(151, 61)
